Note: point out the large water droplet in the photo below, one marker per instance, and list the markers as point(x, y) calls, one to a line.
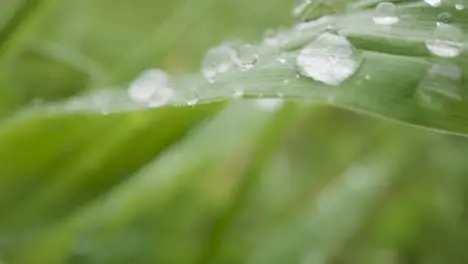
point(330, 59)
point(444, 18)
point(445, 41)
point(218, 61)
point(433, 2)
point(300, 6)
point(458, 4)
point(385, 14)
point(151, 87)
point(442, 84)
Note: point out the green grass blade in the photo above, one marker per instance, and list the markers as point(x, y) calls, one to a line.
point(25, 17)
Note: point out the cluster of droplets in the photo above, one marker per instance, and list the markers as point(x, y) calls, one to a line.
point(330, 59)
point(229, 57)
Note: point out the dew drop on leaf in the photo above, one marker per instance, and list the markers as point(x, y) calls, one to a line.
point(385, 14)
point(433, 3)
point(269, 104)
point(444, 18)
point(151, 87)
point(237, 93)
point(246, 56)
point(300, 6)
point(217, 61)
point(330, 59)
point(146, 85)
point(445, 41)
point(442, 83)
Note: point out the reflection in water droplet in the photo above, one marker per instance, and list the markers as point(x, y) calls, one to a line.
point(385, 14)
point(445, 41)
point(300, 6)
point(433, 2)
point(217, 61)
point(444, 18)
point(442, 84)
point(237, 93)
point(330, 59)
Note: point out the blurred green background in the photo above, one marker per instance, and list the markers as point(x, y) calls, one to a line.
point(227, 182)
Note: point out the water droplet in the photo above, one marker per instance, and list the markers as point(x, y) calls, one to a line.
point(217, 61)
point(286, 81)
point(367, 77)
point(330, 59)
point(300, 6)
point(298, 76)
point(385, 14)
point(433, 2)
point(151, 87)
point(192, 102)
point(281, 60)
point(247, 56)
point(459, 4)
point(445, 41)
point(443, 81)
point(444, 18)
point(146, 85)
point(270, 104)
point(237, 93)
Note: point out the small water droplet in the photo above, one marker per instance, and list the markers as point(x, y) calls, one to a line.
point(300, 6)
point(459, 6)
point(443, 81)
point(217, 61)
point(247, 56)
point(433, 3)
point(286, 81)
point(444, 18)
point(237, 93)
point(329, 59)
point(445, 41)
point(367, 77)
point(270, 104)
point(192, 102)
point(385, 14)
point(281, 60)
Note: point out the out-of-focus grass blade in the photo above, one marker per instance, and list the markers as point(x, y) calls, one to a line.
point(15, 29)
point(153, 187)
point(69, 161)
